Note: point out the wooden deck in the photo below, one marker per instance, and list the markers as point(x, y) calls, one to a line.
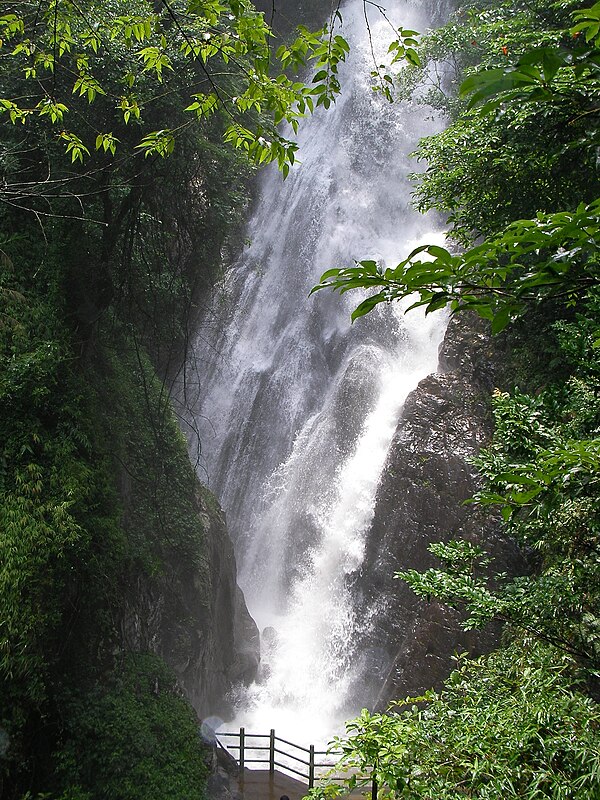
point(259, 784)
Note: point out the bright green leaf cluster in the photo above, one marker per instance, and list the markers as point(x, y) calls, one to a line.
point(212, 45)
point(552, 256)
point(402, 49)
point(588, 23)
point(509, 727)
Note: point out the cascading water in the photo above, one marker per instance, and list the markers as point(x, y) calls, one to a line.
point(296, 407)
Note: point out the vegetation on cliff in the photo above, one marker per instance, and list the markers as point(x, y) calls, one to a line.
point(83, 441)
point(516, 174)
point(104, 255)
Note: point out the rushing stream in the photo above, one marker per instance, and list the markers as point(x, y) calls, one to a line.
point(296, 407)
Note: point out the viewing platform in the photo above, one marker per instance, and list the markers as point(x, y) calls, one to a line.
point(260, 784)
point(291, 769)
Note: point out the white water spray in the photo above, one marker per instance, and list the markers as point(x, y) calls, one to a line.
point(297, 407)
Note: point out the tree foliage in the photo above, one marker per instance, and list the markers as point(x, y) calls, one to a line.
point(511, 726)
point(554, 256)
point(128, 56)
point(516, 174)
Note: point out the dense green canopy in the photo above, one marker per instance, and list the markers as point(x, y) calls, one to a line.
point(516, 173)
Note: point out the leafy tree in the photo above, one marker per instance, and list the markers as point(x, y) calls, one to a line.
point(510, 726)
point(65, 52)
point(554, 256)
point(501, 726)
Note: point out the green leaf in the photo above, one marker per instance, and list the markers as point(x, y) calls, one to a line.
point(501, 319)
point(368, 305)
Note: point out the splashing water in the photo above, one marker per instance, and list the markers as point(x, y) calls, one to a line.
point(296, 406)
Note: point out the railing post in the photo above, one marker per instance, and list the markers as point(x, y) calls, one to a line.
point(311, 767)
point(374, 789)
point(242, 743)
point(272, 752)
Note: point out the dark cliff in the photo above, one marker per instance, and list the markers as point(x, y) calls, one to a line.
point(194, 616)
point(407, 645)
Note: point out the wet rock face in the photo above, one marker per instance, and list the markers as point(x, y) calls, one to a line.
point(284, 15)
point(196, 618)
point(223, 782)
point(408, 644)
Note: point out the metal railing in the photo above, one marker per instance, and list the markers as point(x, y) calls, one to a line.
point(249, 752)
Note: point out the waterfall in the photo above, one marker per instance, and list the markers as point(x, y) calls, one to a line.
point(295, 406)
